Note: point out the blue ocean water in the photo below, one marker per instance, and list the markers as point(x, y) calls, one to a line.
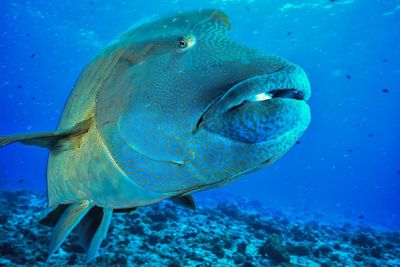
point(346, 165)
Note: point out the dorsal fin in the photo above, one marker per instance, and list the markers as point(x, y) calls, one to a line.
point(57, 140)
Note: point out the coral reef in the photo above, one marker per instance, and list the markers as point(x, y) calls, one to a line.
point(228, 232)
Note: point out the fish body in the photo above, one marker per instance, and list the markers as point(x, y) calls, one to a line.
point(173, 106)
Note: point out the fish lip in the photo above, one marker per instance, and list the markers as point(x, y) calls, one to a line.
point(297, 82)
point(295, 86)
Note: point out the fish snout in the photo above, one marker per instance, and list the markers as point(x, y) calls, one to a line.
point(262, 107)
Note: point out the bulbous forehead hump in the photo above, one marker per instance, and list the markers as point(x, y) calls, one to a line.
point(196, 22)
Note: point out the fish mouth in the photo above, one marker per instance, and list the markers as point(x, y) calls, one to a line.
point(291, 93)
point(288, 82)
point(288, 86)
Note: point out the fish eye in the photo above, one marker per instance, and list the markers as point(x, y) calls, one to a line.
point(186, 41)
point(182, 43)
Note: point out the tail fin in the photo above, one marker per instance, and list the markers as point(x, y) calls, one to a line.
point(56, 140)
point(90, 222)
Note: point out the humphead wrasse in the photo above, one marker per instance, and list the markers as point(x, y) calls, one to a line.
point(171, 107)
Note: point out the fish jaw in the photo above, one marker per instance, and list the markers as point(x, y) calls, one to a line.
point(262, 108)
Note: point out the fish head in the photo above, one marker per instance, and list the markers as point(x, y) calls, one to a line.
point(186, 95)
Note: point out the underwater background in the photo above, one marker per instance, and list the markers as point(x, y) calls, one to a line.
point(345, 169)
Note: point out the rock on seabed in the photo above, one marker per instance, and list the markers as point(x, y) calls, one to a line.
point(228, 232)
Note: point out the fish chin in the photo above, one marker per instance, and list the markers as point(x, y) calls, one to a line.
point(261, 121)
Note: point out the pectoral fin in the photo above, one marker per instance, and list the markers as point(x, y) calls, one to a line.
point(57, 140)
point(185, 201)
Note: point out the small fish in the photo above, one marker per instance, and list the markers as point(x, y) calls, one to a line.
point(348, 76)
point(33, 55)
point(289, 33)
point(20, 181)
point(385, 90)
